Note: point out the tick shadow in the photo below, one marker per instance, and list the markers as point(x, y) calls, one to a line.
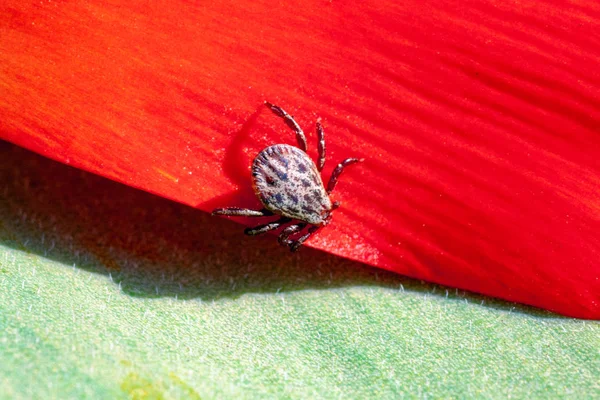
point(236, 167)
point(245, 144)
point(153, 247)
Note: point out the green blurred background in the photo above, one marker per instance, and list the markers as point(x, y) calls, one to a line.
point(110, 292)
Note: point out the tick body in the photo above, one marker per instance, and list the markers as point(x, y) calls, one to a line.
point(288, 183)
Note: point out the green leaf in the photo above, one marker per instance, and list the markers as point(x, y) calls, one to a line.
point(109, 292)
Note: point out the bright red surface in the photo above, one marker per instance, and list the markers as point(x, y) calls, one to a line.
point(478, 120)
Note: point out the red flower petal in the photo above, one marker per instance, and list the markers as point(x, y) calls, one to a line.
point(478, 121)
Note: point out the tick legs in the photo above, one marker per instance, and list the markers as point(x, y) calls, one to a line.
point(321, 137)
point(300, 137)
point(266, 227)
point(289, 121)
point(338, 171)
point(244, 212)
point(241, 212)
point(296, 245)
point(284, 236)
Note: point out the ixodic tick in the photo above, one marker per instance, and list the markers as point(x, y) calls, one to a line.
point(288, 183)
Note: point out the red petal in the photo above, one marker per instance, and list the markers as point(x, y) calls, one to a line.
point(478, 121)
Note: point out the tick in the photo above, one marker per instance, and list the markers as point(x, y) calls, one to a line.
point(288, 184)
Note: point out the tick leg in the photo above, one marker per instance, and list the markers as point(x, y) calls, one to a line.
point(241, 212)
point(289, 121)
point(287, 232)
point(338, 171)
point(296, 245)
point(321, 136)
point(266, 227)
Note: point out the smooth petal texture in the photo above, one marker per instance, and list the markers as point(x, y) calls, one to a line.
point(478, 121)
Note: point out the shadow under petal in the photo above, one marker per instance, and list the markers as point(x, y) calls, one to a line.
point(154, 247)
